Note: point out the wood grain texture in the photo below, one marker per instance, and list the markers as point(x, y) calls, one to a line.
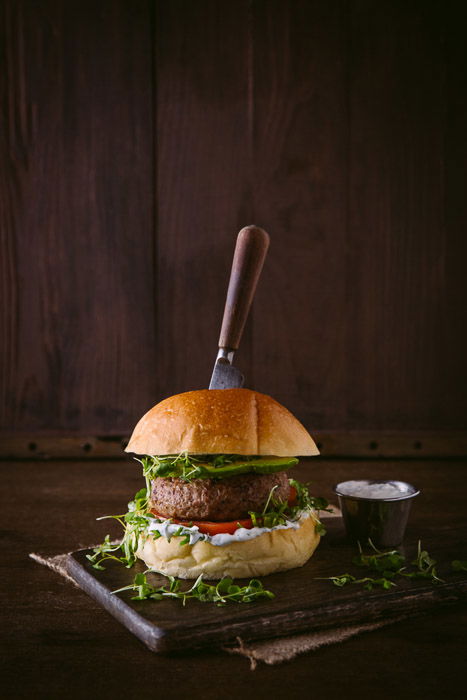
point(77, 199)
point(453, 353)
point(204, 185)
point(396, 272)
point(300, 138)
point(300, 98)
point(141, 136)
point(331, 443)
point(363, 328)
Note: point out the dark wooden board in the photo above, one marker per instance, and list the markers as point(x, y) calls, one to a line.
point(302, 603)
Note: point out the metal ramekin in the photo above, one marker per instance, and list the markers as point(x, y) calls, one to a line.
point(382, 520)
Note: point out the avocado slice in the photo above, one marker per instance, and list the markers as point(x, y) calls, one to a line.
point(204, 470)
point(263, 465)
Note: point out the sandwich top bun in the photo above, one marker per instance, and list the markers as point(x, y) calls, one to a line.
point(221, 421)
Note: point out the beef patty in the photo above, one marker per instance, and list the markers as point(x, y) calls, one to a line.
point(216, 499)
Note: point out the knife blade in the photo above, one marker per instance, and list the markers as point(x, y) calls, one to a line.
point(250, 251)
point(225, 375)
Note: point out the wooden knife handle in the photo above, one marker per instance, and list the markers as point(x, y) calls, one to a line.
point(250, 251)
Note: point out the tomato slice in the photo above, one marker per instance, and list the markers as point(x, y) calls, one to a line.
point(208, 527)
point(227, 528)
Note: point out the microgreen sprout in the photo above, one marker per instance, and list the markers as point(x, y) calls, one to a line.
point(387, 563)
point(426, 566)
point(368, 581)
point(185, 466)
point(320, 529)
point(212, 466)
point(276, 512)
point(105, 551)
point(221, 593)
point(134, 524)
point(459, 565)
point(271, 492)
point(390, 565)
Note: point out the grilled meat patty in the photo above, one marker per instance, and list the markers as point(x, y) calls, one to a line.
point(216, 499)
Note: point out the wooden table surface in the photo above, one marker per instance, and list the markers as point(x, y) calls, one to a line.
point(61, 644)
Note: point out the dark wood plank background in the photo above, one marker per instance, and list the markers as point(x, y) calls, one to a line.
point(138, 137)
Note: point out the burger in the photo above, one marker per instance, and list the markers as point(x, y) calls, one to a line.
point(218, 501)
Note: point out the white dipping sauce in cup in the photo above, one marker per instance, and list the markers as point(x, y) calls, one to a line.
point(373, 490)
point(375, 509)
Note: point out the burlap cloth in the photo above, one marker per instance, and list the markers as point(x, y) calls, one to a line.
point(271, 652)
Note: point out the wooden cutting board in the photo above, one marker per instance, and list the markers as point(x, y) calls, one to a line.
point(302, 602)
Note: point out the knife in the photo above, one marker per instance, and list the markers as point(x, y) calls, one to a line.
point(250, 252)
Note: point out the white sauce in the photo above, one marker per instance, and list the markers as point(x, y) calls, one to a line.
point(375, 491)
point(168, 530)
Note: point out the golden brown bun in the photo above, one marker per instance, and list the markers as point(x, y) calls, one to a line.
point(278, 550)
point(221, 421)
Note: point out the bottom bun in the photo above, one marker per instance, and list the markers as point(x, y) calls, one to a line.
point(277, 550)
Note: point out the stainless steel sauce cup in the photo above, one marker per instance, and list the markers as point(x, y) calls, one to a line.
point(383, 520)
